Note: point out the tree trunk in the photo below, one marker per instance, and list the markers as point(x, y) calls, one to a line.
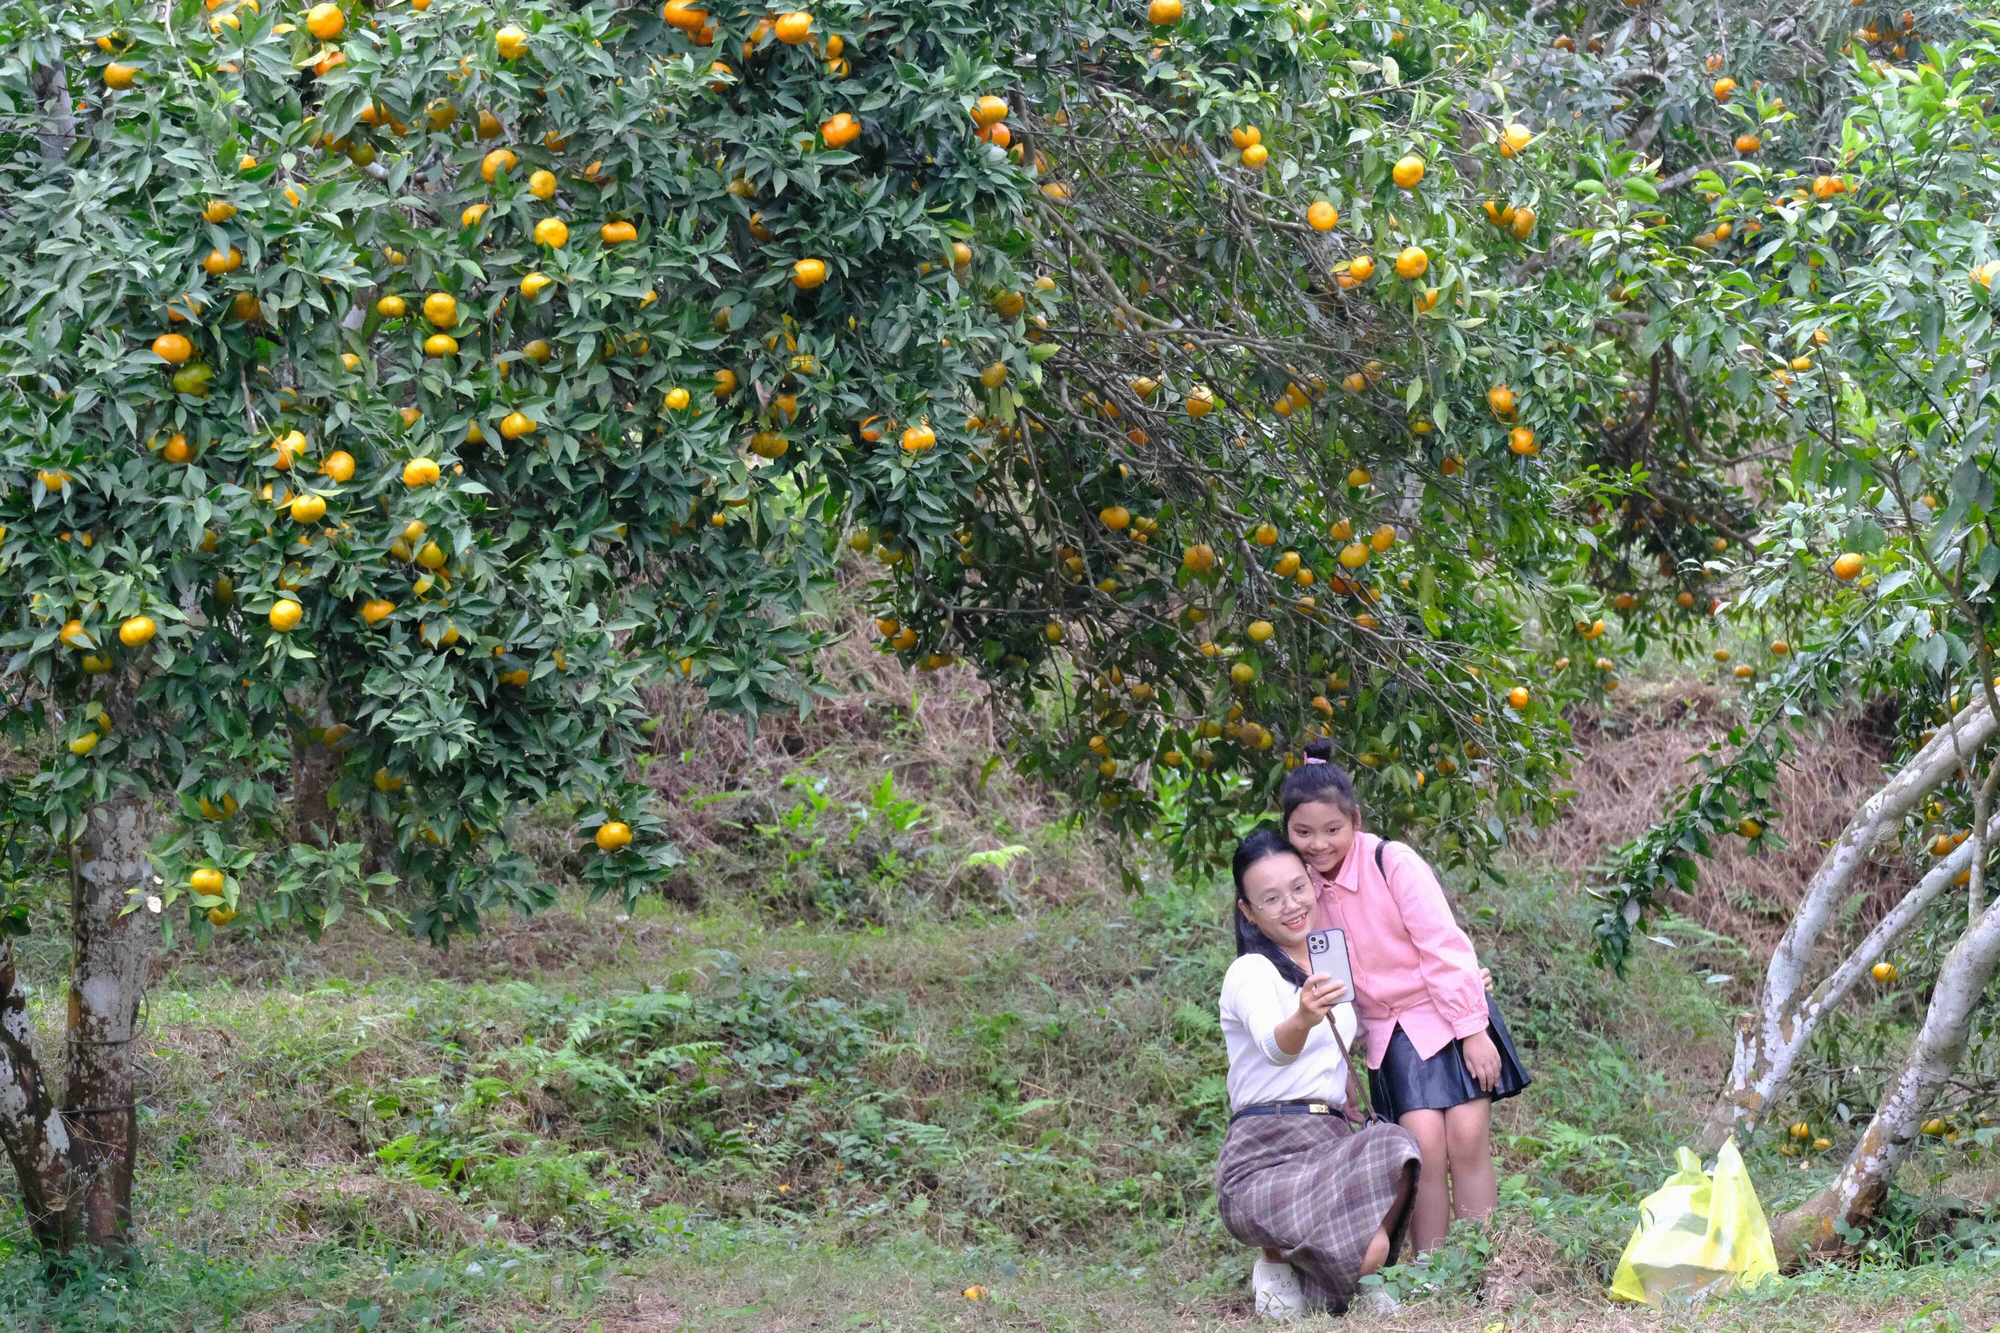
point(314, 769)
point(1794, 1030)
point(1854, 1195)
point(57, 130)
point(1769, 1039)
point(111, 871)
point(31, 1129)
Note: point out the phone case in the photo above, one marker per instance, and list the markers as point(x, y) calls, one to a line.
point(1328, 949)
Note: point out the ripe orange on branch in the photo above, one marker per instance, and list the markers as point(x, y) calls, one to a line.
point(683, 16)
point(840, 130)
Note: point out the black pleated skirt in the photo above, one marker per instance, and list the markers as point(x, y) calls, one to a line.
point(1406, 1082)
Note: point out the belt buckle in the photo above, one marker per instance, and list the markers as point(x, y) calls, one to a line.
point(1318, 1108)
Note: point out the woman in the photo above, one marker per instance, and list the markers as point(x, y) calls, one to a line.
point(1327, 1201)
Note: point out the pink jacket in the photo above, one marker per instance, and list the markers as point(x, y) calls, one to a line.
point(1412, 964)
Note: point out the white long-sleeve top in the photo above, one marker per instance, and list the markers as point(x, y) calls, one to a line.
point(1255, 999)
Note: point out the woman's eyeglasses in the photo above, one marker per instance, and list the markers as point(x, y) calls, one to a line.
point(1299, 892)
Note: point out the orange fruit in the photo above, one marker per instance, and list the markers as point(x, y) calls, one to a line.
point(1513, 139)
point(511, 42)
point(325, 22)
point(1847, 567)
point(285, 615)
point(172, 348)
point(1413, 262)
point(840, 130)
point(989, 110)
point(495, 162)
point(552, 232)
point(119, 76)
point(794, 28)
point(1362, 269)
point(683, 16)
point(1408, 171)
point(1322, 216)
point(808, 274)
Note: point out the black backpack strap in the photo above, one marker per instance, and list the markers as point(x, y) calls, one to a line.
point(1380, 843)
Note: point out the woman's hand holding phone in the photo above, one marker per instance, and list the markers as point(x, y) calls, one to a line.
point(1318, 996)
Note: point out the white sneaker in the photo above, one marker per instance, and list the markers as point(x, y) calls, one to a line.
point(1377, 1300)
point(1276, 1286)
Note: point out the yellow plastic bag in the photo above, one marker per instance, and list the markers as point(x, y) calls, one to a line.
point(1697, 1237)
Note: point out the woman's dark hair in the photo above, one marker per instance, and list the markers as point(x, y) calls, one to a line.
point(1318, 779)
point(1264, 843)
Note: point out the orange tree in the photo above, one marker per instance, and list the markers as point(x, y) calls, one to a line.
point(391, 392)
point(1316, 418)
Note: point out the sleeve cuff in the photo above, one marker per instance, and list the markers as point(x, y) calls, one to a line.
point(1470, 1027)
point(1267, 1042)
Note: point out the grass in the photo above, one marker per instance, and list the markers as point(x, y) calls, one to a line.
point(898, 1034)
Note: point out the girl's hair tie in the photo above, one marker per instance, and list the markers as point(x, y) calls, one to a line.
point(1314, 759)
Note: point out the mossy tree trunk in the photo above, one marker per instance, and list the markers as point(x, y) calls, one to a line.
point(31, 1128)
point(112, 934)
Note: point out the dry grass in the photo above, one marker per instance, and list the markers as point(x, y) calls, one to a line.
point(1632, 760)
point(938, 734)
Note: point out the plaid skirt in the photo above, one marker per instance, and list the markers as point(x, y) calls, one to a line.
point(1316, 1189)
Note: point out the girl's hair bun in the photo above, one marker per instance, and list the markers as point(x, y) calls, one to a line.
point(1318, 779)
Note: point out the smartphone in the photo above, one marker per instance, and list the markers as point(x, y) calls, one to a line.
point(1328, 950)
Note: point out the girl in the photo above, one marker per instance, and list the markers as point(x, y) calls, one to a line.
point(1326, 1200)
point(1438, 1053)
